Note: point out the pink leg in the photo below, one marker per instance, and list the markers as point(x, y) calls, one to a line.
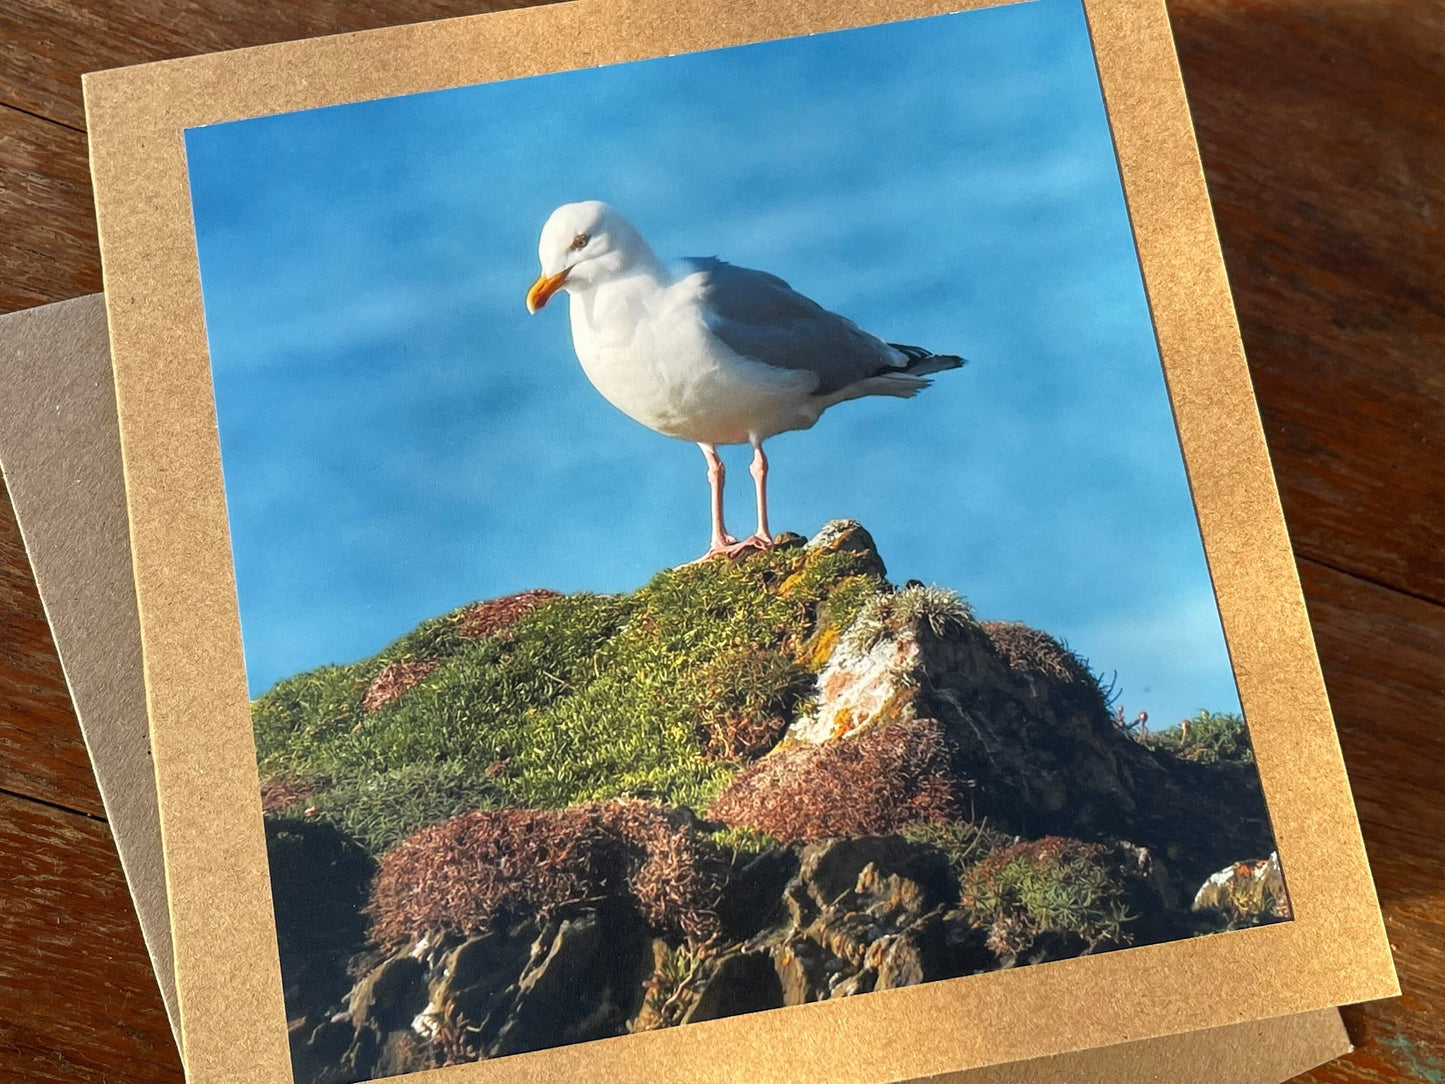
point(762, 538)
point(759, 470)
point(716, 474)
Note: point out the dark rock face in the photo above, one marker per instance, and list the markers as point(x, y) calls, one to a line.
point(754, 895)
point(319, 886)
point(741, 982)
point(870, 913)
point(580, 977)
point(586, 985)
point(390, 996)
point(834, 868)
point(473, 981)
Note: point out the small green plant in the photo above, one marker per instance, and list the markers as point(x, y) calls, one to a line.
point(1052, 888)
point(962, 842)
point(942, 610)
point(662, 1002)
point(1207, 738)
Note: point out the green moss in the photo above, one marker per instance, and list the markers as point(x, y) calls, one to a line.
point(585, 697)
point(1207, 738)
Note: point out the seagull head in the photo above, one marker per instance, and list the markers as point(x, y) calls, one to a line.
point(583, 245)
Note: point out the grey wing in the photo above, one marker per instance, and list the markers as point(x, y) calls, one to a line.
point(761, 317)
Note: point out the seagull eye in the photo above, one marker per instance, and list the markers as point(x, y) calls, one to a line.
point(578, 243)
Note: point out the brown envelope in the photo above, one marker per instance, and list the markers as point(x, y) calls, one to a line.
point(60, 452)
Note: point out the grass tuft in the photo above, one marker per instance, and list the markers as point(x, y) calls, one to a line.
point(943, 611)
point(1208, 738)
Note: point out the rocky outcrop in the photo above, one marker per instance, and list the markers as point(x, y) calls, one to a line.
point(748, 785)
point(924, 714)
point(575, 978)
point(870, 913)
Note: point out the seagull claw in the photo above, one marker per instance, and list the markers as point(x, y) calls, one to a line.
point(732, 549)
point(760, 543)
point(721, 547)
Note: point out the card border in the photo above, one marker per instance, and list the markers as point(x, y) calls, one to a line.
point(58, 367)
point(228, 978)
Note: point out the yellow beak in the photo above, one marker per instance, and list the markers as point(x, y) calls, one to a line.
point(543, 289)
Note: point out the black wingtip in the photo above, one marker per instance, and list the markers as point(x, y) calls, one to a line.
point(927, 360)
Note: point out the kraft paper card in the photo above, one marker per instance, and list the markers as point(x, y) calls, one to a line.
point(61, 455)
point(1001, 732)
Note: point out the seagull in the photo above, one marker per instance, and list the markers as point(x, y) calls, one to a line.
point(710, 352)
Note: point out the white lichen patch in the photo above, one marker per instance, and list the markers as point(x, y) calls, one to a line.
point(874, 671)
point(860, 689)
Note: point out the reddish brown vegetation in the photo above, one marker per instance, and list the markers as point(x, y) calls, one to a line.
point(475, 870)
point(1034, 652)
point(393, 681)
point(279, 794)
point(877, 783)
point(734, 736)
point(482, 619)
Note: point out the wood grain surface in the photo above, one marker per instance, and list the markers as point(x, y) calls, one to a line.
point(1320, 123)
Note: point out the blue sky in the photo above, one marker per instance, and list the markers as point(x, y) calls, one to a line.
point(399, 437)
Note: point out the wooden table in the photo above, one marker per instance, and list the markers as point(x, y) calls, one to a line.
point(1320, 123)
